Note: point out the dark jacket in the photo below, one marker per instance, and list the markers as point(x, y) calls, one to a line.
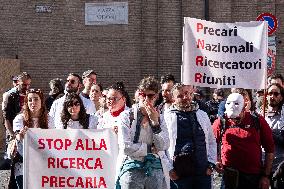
point(13, 107)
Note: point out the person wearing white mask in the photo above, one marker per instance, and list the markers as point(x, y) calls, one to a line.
point(241, 137)
point(234, 105)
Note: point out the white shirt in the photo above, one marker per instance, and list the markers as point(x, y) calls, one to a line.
point(93, 122)
point(57, 107)
point(89, 105)
point(126, 133)
point(18, 124)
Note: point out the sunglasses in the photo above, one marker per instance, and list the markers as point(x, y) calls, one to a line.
point(144, 95)
point(72, 81)
point(273, 93)
point(75, 103)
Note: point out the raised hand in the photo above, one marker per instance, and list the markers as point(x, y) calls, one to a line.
point(152, 113)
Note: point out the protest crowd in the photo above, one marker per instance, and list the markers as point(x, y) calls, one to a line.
point(168, 136)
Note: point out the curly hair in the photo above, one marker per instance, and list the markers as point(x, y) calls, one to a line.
point(177, 86)
point(149, 83)
point(43, 120)
point(66, 116)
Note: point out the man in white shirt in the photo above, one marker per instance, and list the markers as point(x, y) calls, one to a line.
point(167, 83)
point(72, 85)
point(89, 78)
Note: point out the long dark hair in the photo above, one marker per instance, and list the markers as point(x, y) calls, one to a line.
point(119, 86)
point(42, 119)
point(65, 115)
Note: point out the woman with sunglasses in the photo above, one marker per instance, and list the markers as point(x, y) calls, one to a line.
point(74, 114)
point(141, 137)
point(34, 115)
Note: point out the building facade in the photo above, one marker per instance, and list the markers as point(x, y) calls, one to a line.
point(51, 43)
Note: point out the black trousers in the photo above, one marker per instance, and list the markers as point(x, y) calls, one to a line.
point(245, 181)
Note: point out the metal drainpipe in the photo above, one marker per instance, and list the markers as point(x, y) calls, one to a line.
point(206, 15)
point(206, 10)
point(157, 42)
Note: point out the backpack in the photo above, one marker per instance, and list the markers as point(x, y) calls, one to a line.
point(223, 128)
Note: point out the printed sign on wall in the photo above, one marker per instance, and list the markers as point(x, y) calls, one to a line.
point(106, 13)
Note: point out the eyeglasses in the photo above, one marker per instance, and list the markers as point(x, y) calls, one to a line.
point(144, 95)
point(114, 99)
point(273, 93)
point(72, 81)
point(75, 103)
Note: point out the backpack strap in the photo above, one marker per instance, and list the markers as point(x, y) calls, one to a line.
point(88, 121)
point(138, 126)
point(256, 122)
point(222, 132)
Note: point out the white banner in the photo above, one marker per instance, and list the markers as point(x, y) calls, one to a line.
point(224, 55)
point(73, 158)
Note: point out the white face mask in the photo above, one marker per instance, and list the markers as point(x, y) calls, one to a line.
point(234, 105)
